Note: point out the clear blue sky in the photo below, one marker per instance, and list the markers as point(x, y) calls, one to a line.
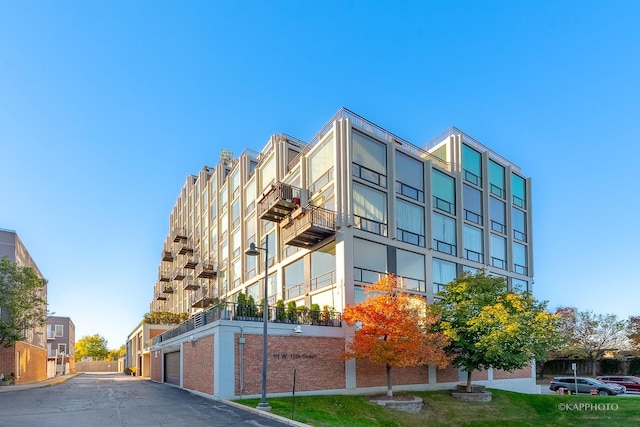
point(107, 106)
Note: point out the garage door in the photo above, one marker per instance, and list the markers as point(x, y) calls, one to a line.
point(172, 368)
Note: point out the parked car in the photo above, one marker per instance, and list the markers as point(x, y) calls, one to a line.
point(631, 383)
point(586, 385)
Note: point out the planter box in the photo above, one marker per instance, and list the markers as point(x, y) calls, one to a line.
point(5, 383)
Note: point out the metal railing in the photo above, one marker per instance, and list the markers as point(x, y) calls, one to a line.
point(252, 313)
point(313, 215)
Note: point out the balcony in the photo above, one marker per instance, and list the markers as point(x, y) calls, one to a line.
point(163, 275)
point(167, 255)
point(308, 226)
point(279, 201)
point(161, 297)
point(179, 235)
point(179, 274)
point(167, 290)
point(206, 270)
point(184, 247)
point(189, 261)
point(188, 284)
point(201, 299)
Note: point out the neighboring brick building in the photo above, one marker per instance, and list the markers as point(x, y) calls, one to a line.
point(27, 360)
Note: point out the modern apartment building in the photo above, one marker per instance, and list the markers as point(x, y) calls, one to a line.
point(27, 360)
point(61, 344)
point(336, 213)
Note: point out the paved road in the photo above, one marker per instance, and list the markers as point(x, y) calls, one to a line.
point(97, 400)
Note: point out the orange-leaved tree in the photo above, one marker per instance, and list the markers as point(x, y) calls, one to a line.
point(394, 329)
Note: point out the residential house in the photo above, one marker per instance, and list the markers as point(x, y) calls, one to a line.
point(27, 359)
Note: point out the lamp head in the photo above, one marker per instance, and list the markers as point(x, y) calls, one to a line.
point(297, 329)
point(252, 251)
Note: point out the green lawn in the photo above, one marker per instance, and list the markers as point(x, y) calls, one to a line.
point(506, 409)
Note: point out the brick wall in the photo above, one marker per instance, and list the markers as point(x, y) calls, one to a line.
point(155, 361)
point(7, 360)
point(198, 365)
point(371, 375)
point(97, 366)
point(33, 363)
point(317, 360)
point(519, 373)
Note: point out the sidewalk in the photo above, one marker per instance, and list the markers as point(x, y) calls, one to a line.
point(49, 381)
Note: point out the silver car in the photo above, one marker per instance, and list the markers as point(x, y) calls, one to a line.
point(586, 385)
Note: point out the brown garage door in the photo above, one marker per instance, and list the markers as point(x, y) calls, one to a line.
point(172, 368)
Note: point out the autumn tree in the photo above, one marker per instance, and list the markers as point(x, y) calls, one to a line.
point(491, 327)
point(394, 330)
point(633, 331)
point(94, 346)
point(590, 334)
point(23, 303)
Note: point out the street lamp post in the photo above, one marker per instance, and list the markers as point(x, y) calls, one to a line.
point(255, 251)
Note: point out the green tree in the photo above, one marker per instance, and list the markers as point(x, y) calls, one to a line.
point(491, 327)
point(23, 303)
point(92, 346)
point(394, 330)
point(589, 334)
point(164, 318)
point(116, 354)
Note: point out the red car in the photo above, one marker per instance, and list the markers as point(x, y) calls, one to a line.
point(631, 383)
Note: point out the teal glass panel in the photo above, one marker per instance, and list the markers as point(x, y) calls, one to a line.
point(518, 191)
point(472, 165)
point(443, 188)
point(496, 179)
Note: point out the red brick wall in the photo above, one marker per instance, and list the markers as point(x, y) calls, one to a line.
point(317, 360)
point(155, 332)
point(33, 363)
point(519, 373)
point(447, 375)
point(197, 359)
point(370, 375)
point(7, 360)
point(156, 365)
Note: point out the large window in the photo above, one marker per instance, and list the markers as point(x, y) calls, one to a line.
point(294, 279)
point(519, 191)
point(235, 184)
point(444, 234)
point(250, 230)
point(369, 159)
point(370, 209)
point(473, 244)
point(443, 272)
point(323, 266)
point(519, 286)
point(271, 248)
point(519, 258)
point(498, 251)
point(321, 165)
point(497, 215)
point(410, 222)
point(519, 224)
point(411, 270)
point(268, 172)
point(409, 177)
point(369, 261)
point(472, 165)
point(472, 204)
point(496, 179)
point(444, 193)
point(235, 213)
point(250, 195)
